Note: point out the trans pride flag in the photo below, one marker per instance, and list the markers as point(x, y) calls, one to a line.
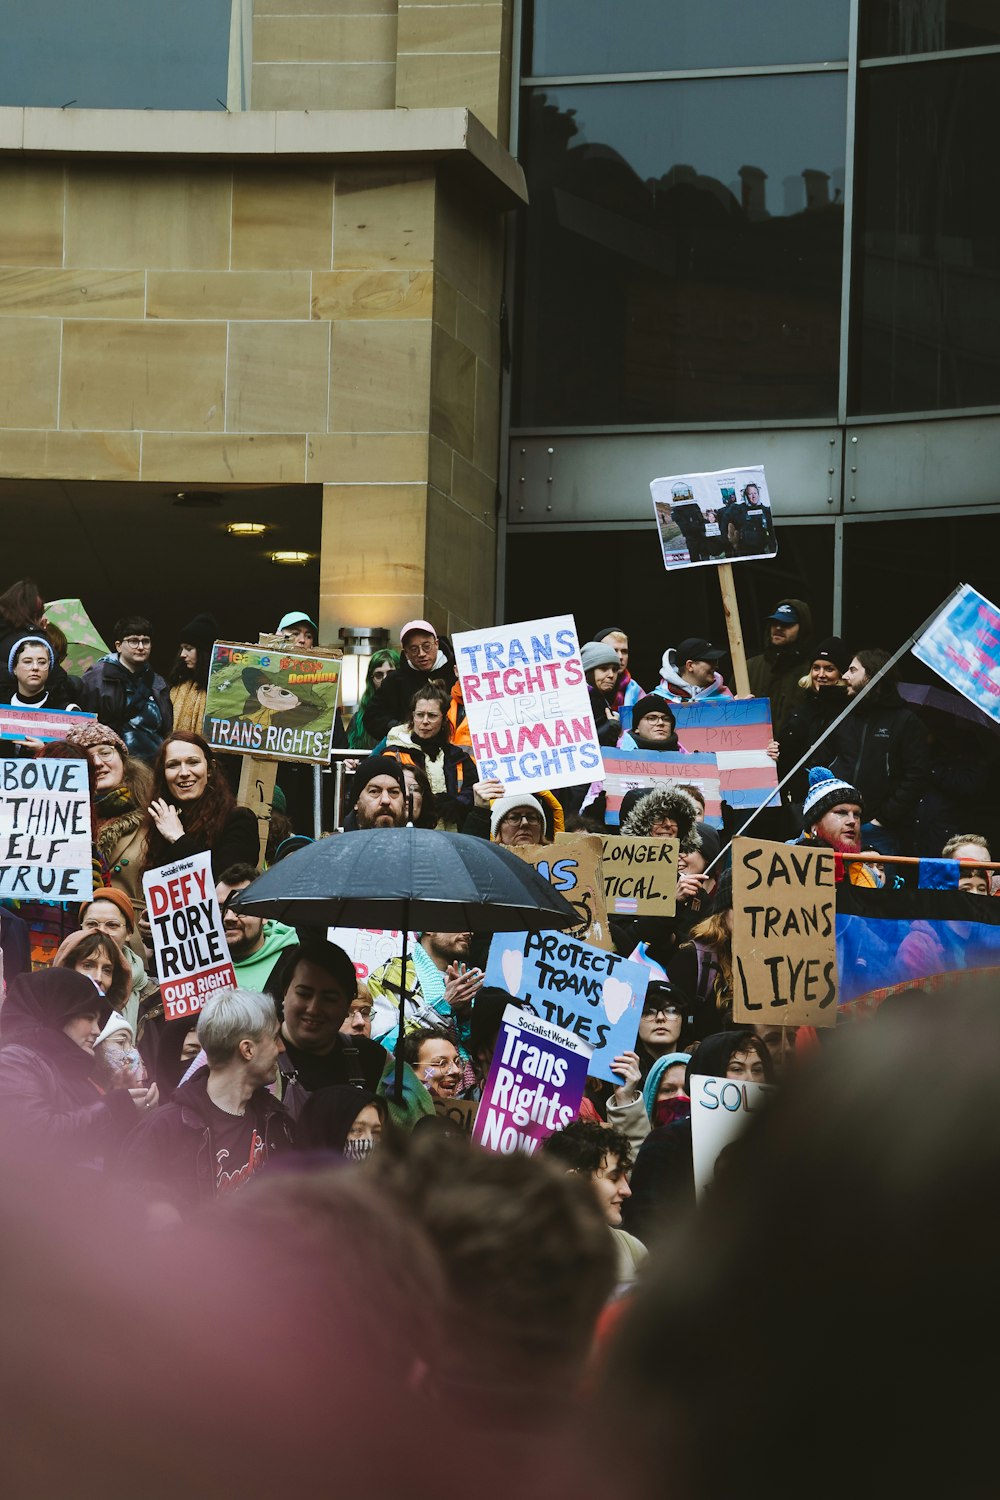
point(888, 939)
point(627, 770)
point(737, 731)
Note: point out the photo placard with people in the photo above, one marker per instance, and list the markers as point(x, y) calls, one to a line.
point(723, 516)
point(270, 701)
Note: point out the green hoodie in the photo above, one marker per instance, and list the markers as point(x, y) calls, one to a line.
point(253, 972)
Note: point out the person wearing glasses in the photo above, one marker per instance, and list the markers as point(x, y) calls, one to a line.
point(126, 694)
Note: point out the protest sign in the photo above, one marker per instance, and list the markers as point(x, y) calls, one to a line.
point(535, 1084)
point(573, 866)
point(629, 770)
point(271, 701)
point(784, 934)
point(962, 645)
point(460, 1114)
point(595, 994)
point(39, 723)
point(368, 948)
point(724, 516)
point(737, 731)
point(720, 1112)
point(527, 704)
point(640, 876)
point(45, 830)
point(192, 956)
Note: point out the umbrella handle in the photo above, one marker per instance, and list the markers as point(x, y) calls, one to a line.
point(398, 1083)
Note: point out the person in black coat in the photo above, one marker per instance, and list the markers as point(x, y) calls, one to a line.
point(49, 1024)
point(824, 697)
point(882, 749)
point(193, 809)
point(426, 658)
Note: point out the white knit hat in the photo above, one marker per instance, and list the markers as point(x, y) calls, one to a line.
point(507, 804)
point(116, 1022)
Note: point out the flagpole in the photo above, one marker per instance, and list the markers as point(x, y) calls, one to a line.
point(851, 706)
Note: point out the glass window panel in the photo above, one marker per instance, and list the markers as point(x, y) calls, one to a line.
point(643, 36)
point(892, 28)
point(681, 256)
point(115, 54)
point(927, 267)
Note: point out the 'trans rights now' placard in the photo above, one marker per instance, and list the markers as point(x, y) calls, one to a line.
point(192, 956)
point(536, 1081)
point(45, 830)
point(527, 703)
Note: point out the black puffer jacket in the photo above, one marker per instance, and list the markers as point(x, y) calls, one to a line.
point(803, 727)
point(882, 749)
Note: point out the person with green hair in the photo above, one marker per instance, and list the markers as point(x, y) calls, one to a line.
point(382, 663)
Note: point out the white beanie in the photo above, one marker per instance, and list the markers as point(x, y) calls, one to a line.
point(507, 804)
point(116, 1022)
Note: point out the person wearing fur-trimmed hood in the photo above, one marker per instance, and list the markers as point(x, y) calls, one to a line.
point(644, 814)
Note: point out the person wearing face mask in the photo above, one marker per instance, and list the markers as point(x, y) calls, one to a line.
point(49, 1026)
point(188, 676)
point(663, 1177)
point(359, 736)
point(426, 658)
point(342, 1121)
point(192, 809)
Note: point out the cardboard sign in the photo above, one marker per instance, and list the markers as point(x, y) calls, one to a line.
point(460, 1114)
point(628, 770)
point(724, 516)
point(640, 876)
point(45, 831)
point(39, 723)
point(192, 956)
point(720, 1112)
point(527, 704)
point(272, 702)
point(595, 994)
point(963, 646)
point(784, 934)
point(536, 1081)
point(737, 731)
point(573, 866)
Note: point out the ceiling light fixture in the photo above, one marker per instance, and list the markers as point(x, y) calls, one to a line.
point(246, 528)
point(292, 557)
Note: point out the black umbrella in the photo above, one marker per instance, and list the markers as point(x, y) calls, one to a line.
point(407, 877)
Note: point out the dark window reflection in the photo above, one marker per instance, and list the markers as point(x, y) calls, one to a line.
point(115, 54)
point(889, 28)
point(927, 277)
point(682, 251)
point(642, 36)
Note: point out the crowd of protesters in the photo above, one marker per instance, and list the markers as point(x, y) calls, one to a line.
point(288, 1081)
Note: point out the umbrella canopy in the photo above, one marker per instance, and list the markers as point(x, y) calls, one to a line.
point(83, 644)
point(946, 703)
point(408, 878)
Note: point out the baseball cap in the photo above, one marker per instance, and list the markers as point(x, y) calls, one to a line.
point(412, 625)
point(696, 648)
point(785, 615)
point(295, 617)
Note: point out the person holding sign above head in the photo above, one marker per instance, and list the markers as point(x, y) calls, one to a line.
point(426, 659)
point(222, 1127)
point(49, 1025)
point(193, 810)
point(689, 674)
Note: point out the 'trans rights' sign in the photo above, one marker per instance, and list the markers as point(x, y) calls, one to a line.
point(527, 703)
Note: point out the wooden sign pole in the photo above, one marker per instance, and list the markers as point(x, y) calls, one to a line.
point(734, 630)
point(256, 791)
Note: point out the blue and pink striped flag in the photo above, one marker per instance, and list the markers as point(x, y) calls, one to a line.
point(627, 770)
point(737, 731)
